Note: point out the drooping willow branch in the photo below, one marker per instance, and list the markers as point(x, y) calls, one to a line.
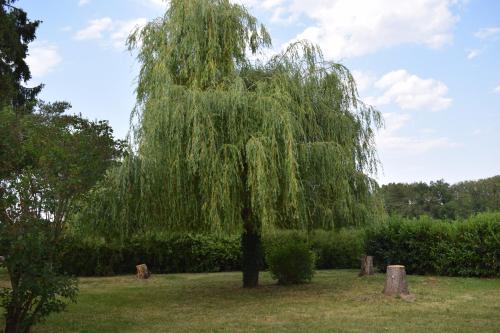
point(213, 127)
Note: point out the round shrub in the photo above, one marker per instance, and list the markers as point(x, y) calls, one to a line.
point(290, 261)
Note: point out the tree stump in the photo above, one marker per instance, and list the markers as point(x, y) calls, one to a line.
point(395, 281)
point(366, 266)
point(142, 271)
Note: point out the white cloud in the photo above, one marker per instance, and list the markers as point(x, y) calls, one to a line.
point(95, 29)
point(115, 32)
point(409, 91)
point(122, 30)
point(497, 90)
point(473, 54)
point(427, 131)
point(157, 2)
point(413, 145)
point(347, 28)
point(390, 140)
point(364, 80)
point(160, 4)
point(395, 121)
point(487, 33)
point(83, 2)
point(43, 57)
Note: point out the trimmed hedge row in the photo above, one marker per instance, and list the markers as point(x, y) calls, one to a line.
point(174, 253)
point(162, 253)
point(340, 249)
point(426, 246)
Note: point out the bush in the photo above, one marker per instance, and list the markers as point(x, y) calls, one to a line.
point(427, 246)
point(290, 260)
point(37, 288)
point(338, 249)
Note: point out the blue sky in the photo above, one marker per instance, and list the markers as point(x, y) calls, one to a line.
point(432, 67)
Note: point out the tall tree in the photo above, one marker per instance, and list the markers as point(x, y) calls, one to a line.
point(224, 143)
point(64, 156)
point(48, 160)
point(16, 32)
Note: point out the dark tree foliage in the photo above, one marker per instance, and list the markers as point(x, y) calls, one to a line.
point(62, 156)
point(441, 200)
point(16, 32)
point(48, 160)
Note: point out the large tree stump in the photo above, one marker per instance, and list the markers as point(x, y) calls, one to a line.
point(395, 281)
point(142, 271)
point(366, 266)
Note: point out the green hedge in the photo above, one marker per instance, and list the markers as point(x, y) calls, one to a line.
point(173, 253)
point(338, 249)
point(426, 246)
point(162, 253)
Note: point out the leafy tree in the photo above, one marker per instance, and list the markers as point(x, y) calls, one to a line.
point(441, 200)
point(227, 144)
point(16, 32)
point(64, 156)
point(472, 197)
point(47, 161)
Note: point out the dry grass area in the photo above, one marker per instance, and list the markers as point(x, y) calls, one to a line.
point(336, 301)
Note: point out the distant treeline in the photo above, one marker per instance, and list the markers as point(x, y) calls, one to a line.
point(441, 200)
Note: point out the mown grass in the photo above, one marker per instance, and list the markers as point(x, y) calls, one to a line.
point(336, 301)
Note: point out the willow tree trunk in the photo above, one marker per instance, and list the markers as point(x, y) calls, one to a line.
point(13, 323)
point(251, 243)
point(251, 246)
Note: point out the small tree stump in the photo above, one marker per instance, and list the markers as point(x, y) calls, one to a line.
point(142, 271)
point(395, 281)
point(366, 266)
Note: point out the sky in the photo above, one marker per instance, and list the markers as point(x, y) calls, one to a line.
point(431, 67)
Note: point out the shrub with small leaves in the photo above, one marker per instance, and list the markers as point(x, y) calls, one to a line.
point(290, 260)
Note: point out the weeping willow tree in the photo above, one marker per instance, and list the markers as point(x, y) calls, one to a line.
point(225, 143)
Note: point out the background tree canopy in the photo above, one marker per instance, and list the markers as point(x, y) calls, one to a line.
point(441, 200)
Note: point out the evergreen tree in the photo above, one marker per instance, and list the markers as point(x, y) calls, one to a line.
point(16, 32)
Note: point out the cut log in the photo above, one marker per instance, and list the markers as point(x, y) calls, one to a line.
point(366, 266)
point(142, 271)
point(395, 281)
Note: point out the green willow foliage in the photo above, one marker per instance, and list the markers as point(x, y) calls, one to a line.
point(216, 133)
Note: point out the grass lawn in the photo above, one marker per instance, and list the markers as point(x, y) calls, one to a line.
point(336, 301)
